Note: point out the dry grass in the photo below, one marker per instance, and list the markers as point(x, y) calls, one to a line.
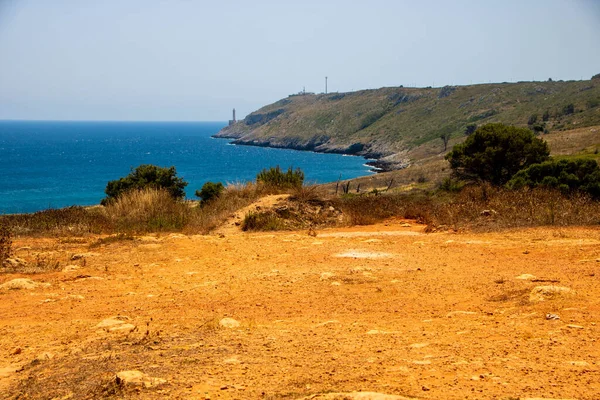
point(476, 207)
point(70, 221)
point(233, 198)
point(147, 210)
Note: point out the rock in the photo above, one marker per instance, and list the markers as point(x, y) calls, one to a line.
point(137, 378)
point(229, 323)
point(22, 283)
point(326, 275)
point(526, 277)
point(71, 268)
point(356, 396)
point(488, 213)
point(112, 322)
point(571, 326)
point(14, 262)
point(453, 313)
point(124, 328)
point(405, 225)
point(542, 293)
point(552, 316)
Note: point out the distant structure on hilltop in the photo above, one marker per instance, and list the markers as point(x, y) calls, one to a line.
point(232, 121)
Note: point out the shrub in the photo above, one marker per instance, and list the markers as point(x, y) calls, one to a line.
point(568, 109)
point(597, 76)
point(275, 178)
point(210, 191)
point(532, 119)
point(566, 175)
point(546, 116)
point(147, 176)
point(470, 129)
point(495, 152)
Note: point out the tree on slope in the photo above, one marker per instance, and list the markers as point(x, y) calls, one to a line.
point(147, 176)
point(495, 152)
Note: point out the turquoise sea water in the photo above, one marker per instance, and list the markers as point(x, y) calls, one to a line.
point(59, 164)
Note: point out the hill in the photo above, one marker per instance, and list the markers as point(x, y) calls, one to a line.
point(399, 125)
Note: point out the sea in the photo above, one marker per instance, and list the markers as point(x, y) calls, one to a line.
point(55, 164)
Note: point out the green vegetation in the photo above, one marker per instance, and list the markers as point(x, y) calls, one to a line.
point(407, 121)
point(147, 176)
point(495, 152)
point(210, 191)
point(275, 178)
point(566, 175)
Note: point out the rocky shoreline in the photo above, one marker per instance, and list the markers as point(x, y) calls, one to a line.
point(374, 159)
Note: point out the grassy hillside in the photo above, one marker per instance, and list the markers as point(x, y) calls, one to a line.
point(401, 125)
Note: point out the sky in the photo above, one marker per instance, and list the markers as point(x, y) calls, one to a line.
point(195, 60)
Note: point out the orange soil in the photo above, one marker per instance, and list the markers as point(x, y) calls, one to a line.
point(384, 308)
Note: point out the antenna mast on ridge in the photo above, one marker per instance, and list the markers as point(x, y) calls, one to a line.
point(325, 85)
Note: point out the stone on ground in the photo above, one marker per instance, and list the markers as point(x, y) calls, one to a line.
point(542, 293)
point(229, 323)
point(137, 378)
point(21, 283)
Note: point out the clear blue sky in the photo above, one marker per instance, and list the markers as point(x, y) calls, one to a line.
point(196, 59)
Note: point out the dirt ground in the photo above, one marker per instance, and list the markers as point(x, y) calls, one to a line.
point(385, 308)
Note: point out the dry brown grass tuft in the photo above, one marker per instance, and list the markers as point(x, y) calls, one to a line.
point(70, 221)
point(211, 215)
point(147, 210)
point(476, 207)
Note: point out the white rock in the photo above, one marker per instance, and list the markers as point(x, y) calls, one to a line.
point(526, 277)
point(542, 293)
point(326, 275)
point(134, 377)
point(229, 323)
point(124, 328)
point(70, 268)
point(22, 283)
point(113, 321)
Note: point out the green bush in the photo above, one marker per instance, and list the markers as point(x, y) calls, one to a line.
point(147, 176)
point(276, 178)
point(470, 129)
point(210, 191)
point(567, 175)
point(495, 152)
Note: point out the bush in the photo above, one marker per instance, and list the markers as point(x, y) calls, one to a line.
point(210, 191)
point(532, 119)
point(566, 175)
point(470, 129)
point(597, 76)
point(147, 176)
point(275, 178)
point(546, 116)
point(568, 109)
point(495, 152)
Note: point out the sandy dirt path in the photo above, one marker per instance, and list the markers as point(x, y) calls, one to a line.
point(385, 308)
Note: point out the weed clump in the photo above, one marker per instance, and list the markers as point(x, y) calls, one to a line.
point(275, 178)
point(261, 221)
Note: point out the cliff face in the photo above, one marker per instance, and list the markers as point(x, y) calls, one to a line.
point(399, 125)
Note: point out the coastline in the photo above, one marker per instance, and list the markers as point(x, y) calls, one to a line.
point(373, 159)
